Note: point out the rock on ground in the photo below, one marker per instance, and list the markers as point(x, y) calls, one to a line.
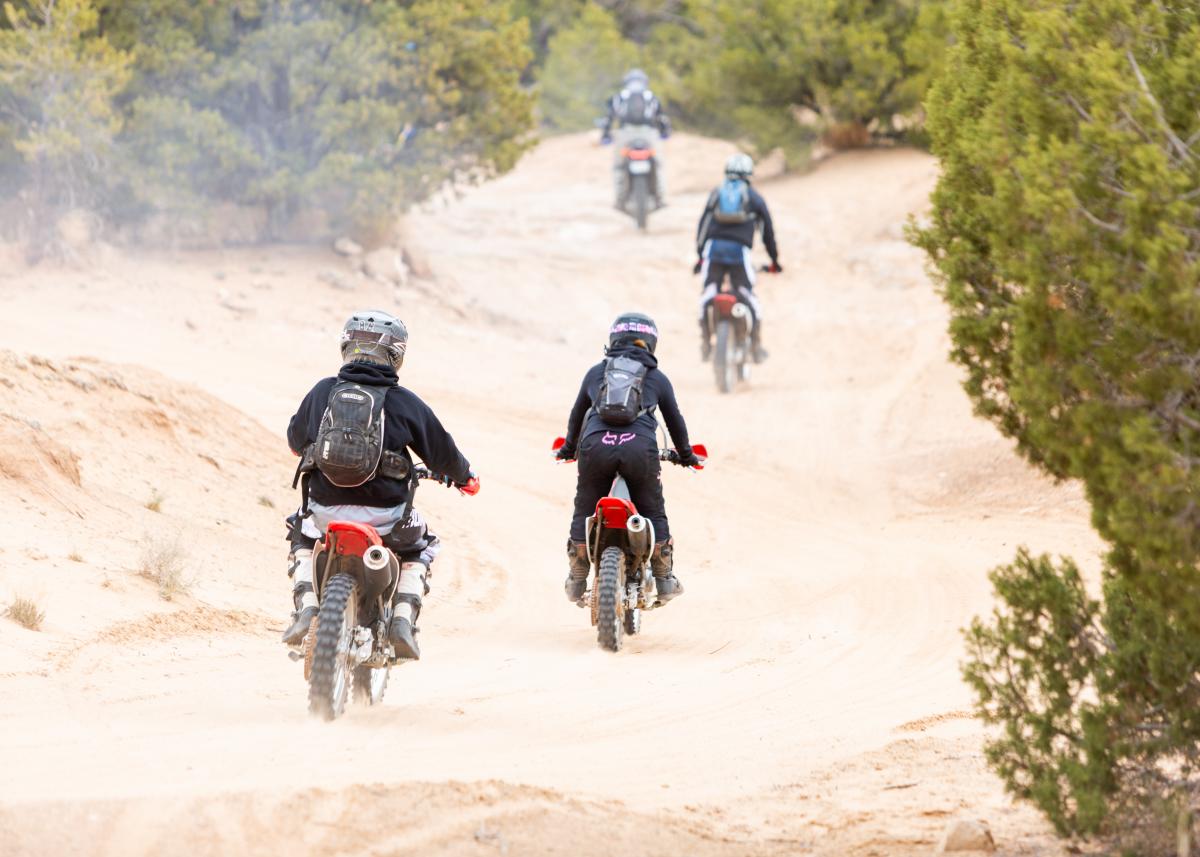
point(963, 835)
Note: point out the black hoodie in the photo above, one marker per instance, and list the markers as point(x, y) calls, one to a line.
point(657, 394)
point(408, 424)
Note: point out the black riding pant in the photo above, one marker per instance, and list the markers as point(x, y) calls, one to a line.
point(601, 457)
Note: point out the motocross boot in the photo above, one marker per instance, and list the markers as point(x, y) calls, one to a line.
point(576, 584)
point(662, 563)
point(303, 596)
point(756, 349)
point(406, 606)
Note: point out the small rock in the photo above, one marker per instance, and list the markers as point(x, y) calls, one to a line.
point(333, 278)
point(964, 835)
point(347, 247)
point(386, 266)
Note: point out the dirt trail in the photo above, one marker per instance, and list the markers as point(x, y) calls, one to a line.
point(803, 697)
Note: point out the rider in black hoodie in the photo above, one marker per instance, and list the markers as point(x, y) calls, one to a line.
point(603, 450)
point(373, 348)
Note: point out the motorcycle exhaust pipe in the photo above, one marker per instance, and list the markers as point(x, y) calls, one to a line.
point(636, 524)
point(739, 310)
point(377, 557)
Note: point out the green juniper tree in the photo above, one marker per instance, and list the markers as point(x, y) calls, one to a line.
point(58, 120)
point(1064, 230)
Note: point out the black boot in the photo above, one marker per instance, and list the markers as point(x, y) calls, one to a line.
point(758, 352)
point(580, 567)
point(301, 620)
point(662, 564)
point(403, 637)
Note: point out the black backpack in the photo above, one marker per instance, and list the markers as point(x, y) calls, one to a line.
point(349, 442)
point(633, 109)
point(619, 402)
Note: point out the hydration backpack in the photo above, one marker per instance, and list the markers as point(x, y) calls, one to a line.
point(634, 108)
point(732, 202)
point(620, 400)
point(349, 442)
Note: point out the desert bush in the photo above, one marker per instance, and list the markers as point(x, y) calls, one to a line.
point(163, 562)
point(1064, 233)
point(25, 612)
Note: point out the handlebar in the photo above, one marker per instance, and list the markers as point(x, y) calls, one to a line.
point(470, 487)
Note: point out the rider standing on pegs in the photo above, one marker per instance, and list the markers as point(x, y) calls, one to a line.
point(604, 449)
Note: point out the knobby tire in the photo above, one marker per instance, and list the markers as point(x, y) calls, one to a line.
point(338, 597)
point(610, 586)
point(723, 357)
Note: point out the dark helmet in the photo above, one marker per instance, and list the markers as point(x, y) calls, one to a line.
point(634, 328)
point(374, 336)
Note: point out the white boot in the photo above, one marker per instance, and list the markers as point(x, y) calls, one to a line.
point(406, 606)
point(303, 596)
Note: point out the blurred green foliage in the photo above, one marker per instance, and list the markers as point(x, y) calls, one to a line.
point(350, 110)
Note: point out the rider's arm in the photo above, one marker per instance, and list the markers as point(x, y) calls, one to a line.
point(431, 441)
point(669, 409)
point(768, 229)
point(703, 225)
point(579, 410)
point(302, 429)
point(610, 119)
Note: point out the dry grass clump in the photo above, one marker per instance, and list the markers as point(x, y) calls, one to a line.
point(25, 612)
point(163, 562)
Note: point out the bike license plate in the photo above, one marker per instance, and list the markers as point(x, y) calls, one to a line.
point(639, 168)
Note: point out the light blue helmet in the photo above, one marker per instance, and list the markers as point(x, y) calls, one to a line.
point(635, 78)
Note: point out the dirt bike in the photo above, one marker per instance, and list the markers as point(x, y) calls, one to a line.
point(638, 196)
point(732, 323)
point(347, 650)
point(619, 543)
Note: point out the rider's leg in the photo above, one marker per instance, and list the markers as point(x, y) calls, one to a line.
point(416, 549)
point(304, 596)
point(596, 466)
point(712, 274)
point(643, 473)
point(743, 279)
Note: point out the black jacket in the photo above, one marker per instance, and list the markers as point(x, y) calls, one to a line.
point(408, 424)
point(743, 233)
point(657, 394)
point(652, 113)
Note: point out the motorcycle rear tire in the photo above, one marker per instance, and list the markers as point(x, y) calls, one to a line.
point(610, 587)
point(641, 200)
point(329, 682)
point(724, 365)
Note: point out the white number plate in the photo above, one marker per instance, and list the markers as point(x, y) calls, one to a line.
point(639, 168)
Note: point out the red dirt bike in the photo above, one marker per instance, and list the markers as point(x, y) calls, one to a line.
point(347, 649)
point(732, 324)
point(620, 542)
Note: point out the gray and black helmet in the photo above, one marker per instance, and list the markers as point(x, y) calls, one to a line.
point(633, 328)
point(374, 336)
point(635, 78)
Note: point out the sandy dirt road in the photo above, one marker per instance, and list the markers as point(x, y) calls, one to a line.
point(803, 697)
